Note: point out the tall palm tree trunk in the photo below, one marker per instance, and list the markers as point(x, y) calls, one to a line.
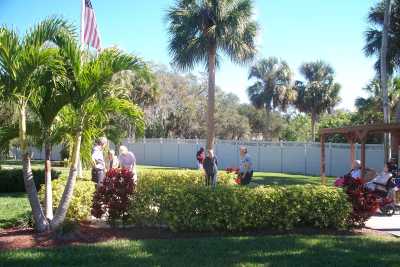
point(47, 175)
point(384, 76)
point(211, 97)
point(41, 223)
point(62, 209)
point(313, 122)
point(269, 124)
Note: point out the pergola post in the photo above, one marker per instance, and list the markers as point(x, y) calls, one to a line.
point(350, 140)
point(362, 159)
point(322, 167)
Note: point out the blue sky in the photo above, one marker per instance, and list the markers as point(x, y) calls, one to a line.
point(296, 31)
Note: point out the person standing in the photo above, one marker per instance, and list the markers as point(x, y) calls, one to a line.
point(200, 156)
point(246, 167)
point(98, 164)
point(127, 160)
point(113, 161)
point(210, 166)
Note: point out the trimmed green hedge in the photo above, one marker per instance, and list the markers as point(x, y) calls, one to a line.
point(231, 208)
point(12, 180)
point(148, 178)
point(82, 200)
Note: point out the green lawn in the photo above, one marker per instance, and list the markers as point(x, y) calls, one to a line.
point(14, 209)
point(270, 178)
point(280, 250)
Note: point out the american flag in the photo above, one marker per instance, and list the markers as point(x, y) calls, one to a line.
point(90, 32)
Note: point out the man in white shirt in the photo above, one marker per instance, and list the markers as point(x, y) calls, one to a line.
point(98, 164)
point(127, 160)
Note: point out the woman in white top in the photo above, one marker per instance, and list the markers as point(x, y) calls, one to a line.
point(127, 160)
point(356, 172)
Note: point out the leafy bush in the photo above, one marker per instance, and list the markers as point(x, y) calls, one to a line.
point(229, 208)
point(82, 200)
point(113, 196)
point(12, 180)
point(148, 178)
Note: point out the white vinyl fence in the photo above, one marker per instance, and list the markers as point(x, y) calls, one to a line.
point(37, 154)
point(289, 157)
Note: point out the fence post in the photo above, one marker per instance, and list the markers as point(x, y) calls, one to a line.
point(330, 159)
point(258, 156)
point(178, 156)
point(305, 158)
point(281, 146)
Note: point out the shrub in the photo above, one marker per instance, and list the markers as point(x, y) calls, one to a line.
point(113, 196)
point(228, 208)
point(148, 178)
point(82, 200)
point(12, 180)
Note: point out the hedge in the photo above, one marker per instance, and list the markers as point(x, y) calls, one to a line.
point(232, 208)
point(148, 178)
point(12, 180)
point(82, 200)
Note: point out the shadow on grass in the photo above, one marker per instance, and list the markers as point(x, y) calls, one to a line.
point(264, 178)
point(291, 250)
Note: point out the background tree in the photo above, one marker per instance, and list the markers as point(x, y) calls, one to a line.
point(263, 126)
point(272, 88)
point(374, 100)
point(319, 94)
point(199, 30)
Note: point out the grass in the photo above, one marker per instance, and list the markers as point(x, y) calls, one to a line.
point(279, 250)
point(14, 209)
point(270, 178)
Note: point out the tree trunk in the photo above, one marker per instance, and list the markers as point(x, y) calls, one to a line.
point(69, 187)
point(384, 76)
point(211, 97)
point(268, 117)
point(41, 223)
point(47, 174)
point(313, 121)
point(80, 168)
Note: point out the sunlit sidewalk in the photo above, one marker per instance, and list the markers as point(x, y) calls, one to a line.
point(389, 224)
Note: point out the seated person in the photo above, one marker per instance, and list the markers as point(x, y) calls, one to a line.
point(356, 172)
point(382, 182)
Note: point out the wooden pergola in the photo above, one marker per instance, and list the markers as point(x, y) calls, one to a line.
point(360, 134)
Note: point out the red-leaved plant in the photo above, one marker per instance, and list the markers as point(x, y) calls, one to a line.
point(235, 170)
point(365, 203)
point(113, 196)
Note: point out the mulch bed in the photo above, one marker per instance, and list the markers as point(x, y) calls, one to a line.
point(17, 238)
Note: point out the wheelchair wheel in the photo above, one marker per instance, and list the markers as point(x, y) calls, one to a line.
point(388, 210)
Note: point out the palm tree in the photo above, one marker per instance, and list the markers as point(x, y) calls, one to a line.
point(200, 29)
point(22, 62)
point(373, 35)
point(90, 90)
point(273, 88)
point(319, 93)
point(52, 96)
point(374, 101)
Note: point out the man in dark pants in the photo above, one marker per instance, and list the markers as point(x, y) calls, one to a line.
point(246, 167)
point(98, 164)
point(210, 166)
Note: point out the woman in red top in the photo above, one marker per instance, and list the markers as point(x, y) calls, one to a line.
point(200, 156)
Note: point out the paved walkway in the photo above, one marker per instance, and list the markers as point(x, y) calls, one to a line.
point(389, 224)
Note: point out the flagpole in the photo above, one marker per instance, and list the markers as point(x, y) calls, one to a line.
point(82, 22)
